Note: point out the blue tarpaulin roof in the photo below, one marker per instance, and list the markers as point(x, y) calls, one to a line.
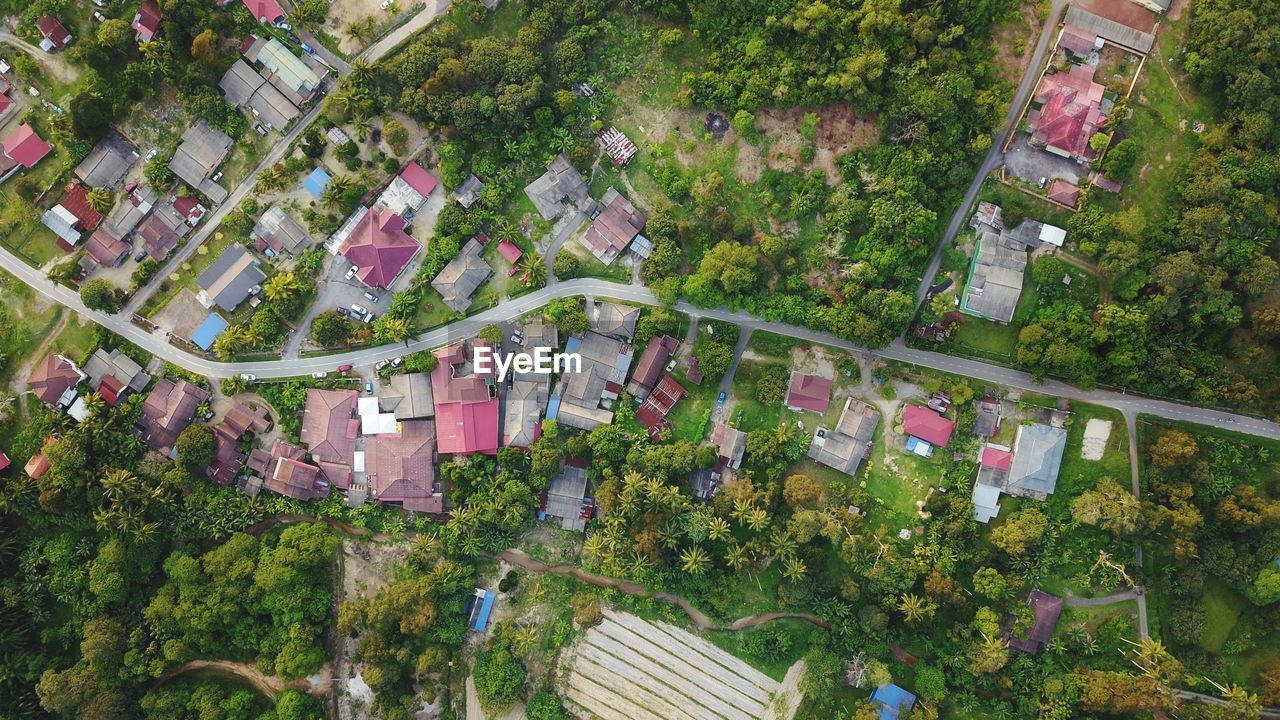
point(208, 331)
point(486, 606)
point(316, 182)
point(893, 700)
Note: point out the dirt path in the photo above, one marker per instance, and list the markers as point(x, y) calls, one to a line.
point(24, 372)
point(1104, 281)
point(64, 71)
point(269, 685)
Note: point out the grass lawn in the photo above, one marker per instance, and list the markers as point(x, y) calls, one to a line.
point(77, 340)
point(1223, 606)
point(590, 267)
point(748, 412)
point(432, 311)
point(190, 270)
point(691, 417)
point(1017, 205)
point(27, 324)
point(798, 633)
point(770, 344)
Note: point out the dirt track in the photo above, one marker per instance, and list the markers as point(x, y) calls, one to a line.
point(268, 685)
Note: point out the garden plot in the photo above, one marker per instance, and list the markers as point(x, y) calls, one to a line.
point(1096, 434)
point(628, 669)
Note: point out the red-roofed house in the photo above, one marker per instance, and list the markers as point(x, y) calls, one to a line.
point(55, 35)
point(54, 379)
point(996, 458)
point(379, 247)
point(22, 149)
point(4, 461)
point(1064, 192)
point(400, 467)
point(267, 11)
point(809, 392)
point(38, 465)
point(146, 21)
point(614, 228)
point(1078, 41)
point(419, 179)
point(327, 425)
point(76, 201)
point(927, 425)
point(112, 389)
point(190, 209)
point(466, 407)
point(655, 408)
point(1070, 112)
point(509, 251)
point(72, 216)
point(105, 249)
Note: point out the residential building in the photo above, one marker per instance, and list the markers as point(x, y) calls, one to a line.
point(399, 467)
point(1061, 191)
point(284, 471)
point(559, 186)
point(521, 424)
point(469, 191)
point(988, 214)
point(927, 428)
point(55, 35)
point(464, 274)
point(808, 392)
point(377, 245)
point(105, 249)
point(230, 280)
point(277, 233)
point(846, 445)
point(730, 444)
point(1120, 34)
point(267, 11)
point(108, 162)
point(243, 417)
point(893, 701)
point(329, 431)
point(53, 381)
point(202, 150)
point(298, 78)
point(22, 149)
point(72, 216)
point(510, 251)
point(1037, 458)
point(207, 332)
point(167, 411)
point(126, 216)
point(614, 320)
point(466, 403)
point(988, 422)
point(1046, 611)
point(657, 351)
point(243, 87)
point(1079, 42)
point(228, 456)
point(658, 404)
point(583, 399)
point(993, 473)
point(409, 190)
point(617, 146)
point(146, 21)
point(614, 228)
point(995, 277)
point(160, 232)
point(408, 396)
point(1033, 234)
point(566, 497)
point(38, 464)
point(114, 374)
point(1070, 113)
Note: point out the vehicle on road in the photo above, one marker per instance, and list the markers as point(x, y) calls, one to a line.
point(368, 387)
point(377, 367)
point(308, 49)
point(319, 375)
point(721, 397)
point(371, 297)
point(397, 361)
point(344, 368)
point(247, 377)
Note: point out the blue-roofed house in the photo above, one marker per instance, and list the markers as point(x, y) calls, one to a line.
point(893, 701)
point(208, 331)
point(481, 608)
point(316, 182)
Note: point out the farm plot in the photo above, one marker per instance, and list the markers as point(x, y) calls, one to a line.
point(628, 669)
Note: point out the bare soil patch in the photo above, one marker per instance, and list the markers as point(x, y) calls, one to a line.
point(1123, 12)
point(1010, 63)
point(344, 12)
point(840, 130)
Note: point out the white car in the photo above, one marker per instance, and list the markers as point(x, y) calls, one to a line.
point(319, 375)
point(247, 377)
point(397, 361)
point(386, 4)
point(359, 312)
point(380, 364)
point(99, 16)
point(283, 25)
point(671, 365)
point(351, 272)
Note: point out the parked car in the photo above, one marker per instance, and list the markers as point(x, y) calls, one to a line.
point(358, 312)
point(386, 4)
point(283, 25)
point(308, 49)
point(515, 269)
point(370, 297)
point(351, 272)
point(344, 368)
point(721, 397)
point(257, 127)
point(319, 375)
point(99, 16)
point(671, 365)
point(343, 311)
point(131, 186)
point(248, 377)
point(397, 361)
point(368, 387)
point(142, 255)
point(377, 367)
point(150, 154)
point(516, 339)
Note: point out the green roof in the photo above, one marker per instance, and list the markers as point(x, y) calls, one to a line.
point(289, 68)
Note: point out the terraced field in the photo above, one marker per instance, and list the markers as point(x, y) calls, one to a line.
point(629, 669)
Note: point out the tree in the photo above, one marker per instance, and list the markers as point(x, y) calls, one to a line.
point(115, 34)
point(1111, 507)
point(568, 316)
point(694, 560)
point(396, 135)
point(99, 294)
point(915, 609)
point(715, 358)
point(744, 123)
point(90, 115)
point(1173, 449)
point(282, 287)
point(195, 446)
point(533, 269)
point(802, 491)
point(204, 48)
point(990, 583)
point(566, 266)
point(103, 647)
point(330, 329)
point(499, 677)
point(491, 334)
point(1021, 530)
point(545, 706)
point(99, 199)
point(1266, 587)
point(771, 386)
point(390, 329)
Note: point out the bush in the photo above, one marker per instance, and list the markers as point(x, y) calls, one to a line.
point(770, 644)
point(586, 610)
point(99, 294)
point(509, 582)
point(195, 446)
point(566, 266)
point(771, 386)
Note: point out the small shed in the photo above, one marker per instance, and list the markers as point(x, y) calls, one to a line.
point(316, 182)
point(208, 331)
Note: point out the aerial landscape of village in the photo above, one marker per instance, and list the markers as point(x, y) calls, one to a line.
point(646, 360)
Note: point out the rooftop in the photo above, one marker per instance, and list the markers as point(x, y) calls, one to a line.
point(614, 228)
point(464, 274)
point(927, 425)
point(809, 392)
point(230, 279)
point(167, 411)
point(379, 247)
point(560, 183)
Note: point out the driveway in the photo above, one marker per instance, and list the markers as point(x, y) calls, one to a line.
point(333, 290)
point(433, 10)
point(1032, 163)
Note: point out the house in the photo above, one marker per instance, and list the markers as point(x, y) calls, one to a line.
point(926, 426)
point(995, 277)
point(72, 216)
point(297, 78)
point(993, 473)
point(521, 424)
point(53, 381)
point(329, 431)
point(845, 446)
point(559, 186)
point(128, 215)
point(617, 146)
point(1113, 32)
point(267, 11)
point(1102, 181)
point(285, 472)
point(1046, 610)
point(159, 234)
point(583, 398)
point(466, 403)
point(730, 444)
point(228, 457)
point(1064, 192)
point(337, 138)
point(656, 353)
point(376, 244)
point(614, 228)
point(614, 320)
point(1070, 113)
point(22, 149)
point(243, 87)
point(509, 251)
point(167, 411)
point(989, 214)
point(464, 274)
point(5, 462)
point(808, 392)
point(55, 35)
point(208, 331)
point(108, 162)
point(893, 701)
point(114, 374)
point(988, 422)
point(277, 233)
point(230, 280)
point(105, 249)
point(408, 191)
point(1033, 234)
point(408, 396)
point(146, 22)
point(657, 406)
point(469, 191)
point(202, 150)
point(9, 106)
point(242, 418)
point(38, 464)
point(399, 467)
point(1078, 42)
point(566, 498)
point(1037, 457)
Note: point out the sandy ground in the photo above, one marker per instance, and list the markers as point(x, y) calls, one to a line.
point(345, 12)
point(1096, 433)
point(181, 315)
point(840, 130)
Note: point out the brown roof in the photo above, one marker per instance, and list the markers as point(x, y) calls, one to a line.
point(653, 412)
point(614, 228)
point(327, 429)
point(167, 411)
point(157, 237)
point(243, 417)
point(649, 367)
point(295, 479)
point(400, 466)
point(227, 458)
point(1046, 609)
point(105, 248)
point(38, 465)
point(52, 377)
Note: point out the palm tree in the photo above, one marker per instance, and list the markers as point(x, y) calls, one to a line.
point(915, 608)
point(392, 329)
point(783, 543)
point(640, 564)
point(524, 639)
point(533, 269)
point(736, 557)
point(337, 187)
point(794, 569)
point(757, 519)
point(718, 528)
point(694, 560)
point(505, 229)
point(360, 123)
point(99, 199)
point(152, 50)
point(669, 534)
point(282, 287)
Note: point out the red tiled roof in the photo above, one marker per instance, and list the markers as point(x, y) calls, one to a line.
point(25, 147)
point(649, 366)
point(111, 389)
point(147, 20)
point(167, 411)
point(4, 461)
point(809, 392)
point(1071, 112)
point(296, 479)
point(1064, 192)
point(157, 238)
point(927, 425)
point(186, 206)
point(76, 201)
point(264, 10)
point(508, 250)
point(695, 373)
point(615, 227)
point(996, 459)
point(379, 246)
point(53, 31)
point(419, 179)
point(104, 248)
point(653, 412)
point(1107, 183)
point(1078, 41)
point(51, 378)
point(325, 425)
point(466, 412)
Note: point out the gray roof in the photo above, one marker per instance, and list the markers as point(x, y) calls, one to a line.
point(613, 319)
point(995, 282)
point(462, 276)
point(1037, 457)
point(605, 360)
point(108, 162)
point(127, 215)
point(844, 445)
point(201, 152)
point(523, 412)
point(560, 182)
point(117, 364)
point(227, 282)
point(244, 87)
point(240, 82)
point(565, 495)
point(279, 231)
point(470, 190)
point(1110, 30)
point(409, 396)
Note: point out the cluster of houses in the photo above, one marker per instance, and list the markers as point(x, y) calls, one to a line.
point(999, 262)
point(272, 83)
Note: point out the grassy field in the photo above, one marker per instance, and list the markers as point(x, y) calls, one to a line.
point(190, 270)
point(77, 340)
point(27, 322)
point(748, 412)
point(1018, 205)
point(798, 635)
